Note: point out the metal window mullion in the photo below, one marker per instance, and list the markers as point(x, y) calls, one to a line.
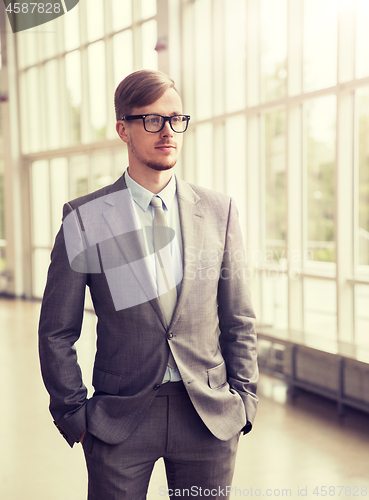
point(346, 44)
point(218, 66)
point(188, 57)
point(218, 137)
point(304, 208)
point(253, 53)
point(33, 248)
point(355, 209)
point(253, 212)
point(86, 132)
point(109, 63)
point(344, 215)
point(262, 205)
point(89, 172)
point(74, 150)
point(355, 187)
point(109, 95)
point(16, 253)
point(253, 150)
point(162, 23)
point(109, 71)
point(50, 204)
point(294, 48)
point(175, 36)
point(137, 35)
point(42, 91)
point(219, 158)
point(294, 172)
point(188, 86)
point(65, 133)
point(294, 215)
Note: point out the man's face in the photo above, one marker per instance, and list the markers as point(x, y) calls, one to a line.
point(159, 150)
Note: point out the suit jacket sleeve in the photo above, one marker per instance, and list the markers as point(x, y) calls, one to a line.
point(59, 329)
point(237, 319)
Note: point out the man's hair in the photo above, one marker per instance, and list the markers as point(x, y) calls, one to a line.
point(140, 88)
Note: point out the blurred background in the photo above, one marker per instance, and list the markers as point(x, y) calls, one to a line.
point(278, 93)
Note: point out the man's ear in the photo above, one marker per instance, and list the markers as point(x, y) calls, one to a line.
point(121, 128)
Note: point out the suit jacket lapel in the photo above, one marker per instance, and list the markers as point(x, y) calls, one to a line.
point(191, 220)
point(130, 244)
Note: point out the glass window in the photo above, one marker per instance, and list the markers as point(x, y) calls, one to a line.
point(275, 184)
point(59, 191)
point(100, 170)
point(148, 8)
point(95, 19)
point(1, 127)
point(74, 95)
point(235, 55)
point(275, 299)
point(2, 218)
point(23, 89)
point(41, 262)
point(28, 47)
point(21, 50)
point(41, 204)
point(97, 82)
point(362, 112)
point(48, 39)
point(121, 13)
point(123, 55)
point(320, 307)
point(53, 128)
point(320, 160)
point(362, 315)
point(120, 161)
point(235, 171)
point(362, 38)
point(320, 44)
point(204, 155)
point(203, 59)
point(78, 176)
point(149, 39)
point(33, 126)
point(273, 49)
point(71, 29)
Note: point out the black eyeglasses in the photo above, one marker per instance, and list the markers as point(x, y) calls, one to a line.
point(154, 123)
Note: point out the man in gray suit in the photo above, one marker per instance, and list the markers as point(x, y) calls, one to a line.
point(175, 369)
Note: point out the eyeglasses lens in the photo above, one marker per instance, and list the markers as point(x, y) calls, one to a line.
point(153, 123)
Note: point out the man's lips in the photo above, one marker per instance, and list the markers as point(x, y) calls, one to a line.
point(165, 147)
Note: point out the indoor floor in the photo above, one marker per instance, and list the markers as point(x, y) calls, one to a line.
point(296, 449)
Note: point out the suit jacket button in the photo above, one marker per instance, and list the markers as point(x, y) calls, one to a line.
point(156, 387)
point(169, 335)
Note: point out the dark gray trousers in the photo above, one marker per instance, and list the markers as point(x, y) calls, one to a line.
point(198, 465)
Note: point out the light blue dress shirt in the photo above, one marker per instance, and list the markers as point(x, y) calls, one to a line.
point(145, 217)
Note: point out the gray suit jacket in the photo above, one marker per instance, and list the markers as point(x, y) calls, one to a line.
point(212, 333)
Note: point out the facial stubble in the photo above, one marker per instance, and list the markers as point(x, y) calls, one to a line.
point(154, 165)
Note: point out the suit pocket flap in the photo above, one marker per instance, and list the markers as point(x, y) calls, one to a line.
point(217, 376)
point(106, 382)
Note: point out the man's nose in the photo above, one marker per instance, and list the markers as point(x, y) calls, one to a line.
point(166, 130)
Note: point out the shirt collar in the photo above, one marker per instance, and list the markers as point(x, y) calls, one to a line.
point(143, 196)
